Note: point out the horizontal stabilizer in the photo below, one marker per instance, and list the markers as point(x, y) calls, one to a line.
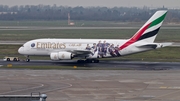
point(148, 46)
point(154, 45)
point(166, 44)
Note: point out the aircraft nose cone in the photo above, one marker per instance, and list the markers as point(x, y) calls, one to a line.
point(20, 50)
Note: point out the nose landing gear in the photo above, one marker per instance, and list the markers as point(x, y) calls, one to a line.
point(27, 59)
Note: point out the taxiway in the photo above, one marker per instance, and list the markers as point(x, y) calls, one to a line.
point(127, 65)
point(93, 85)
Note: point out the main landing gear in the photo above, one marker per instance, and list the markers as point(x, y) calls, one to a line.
point(88, 61)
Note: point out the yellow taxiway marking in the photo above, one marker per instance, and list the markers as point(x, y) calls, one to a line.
point(164, 87)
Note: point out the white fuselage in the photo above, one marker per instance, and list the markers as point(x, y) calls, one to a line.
point(48, 46)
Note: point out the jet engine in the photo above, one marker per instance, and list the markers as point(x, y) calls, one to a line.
point(61, 56)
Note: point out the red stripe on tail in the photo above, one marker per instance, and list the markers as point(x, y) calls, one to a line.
point(135, 37)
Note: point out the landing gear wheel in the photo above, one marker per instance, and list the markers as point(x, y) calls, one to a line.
point(96, 61)
point(8, 59)
point(14, 59)
point(88, 61)
point(91, 61)
point(80, 61)
point(27, 60)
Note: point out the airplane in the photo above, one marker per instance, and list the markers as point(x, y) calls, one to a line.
point(91, 50)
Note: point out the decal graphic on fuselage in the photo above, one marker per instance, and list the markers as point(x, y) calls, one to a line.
point(104, 49)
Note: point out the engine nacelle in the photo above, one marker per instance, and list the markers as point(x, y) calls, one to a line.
point(61, 56)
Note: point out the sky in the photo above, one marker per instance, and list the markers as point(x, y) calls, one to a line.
point(88, 3)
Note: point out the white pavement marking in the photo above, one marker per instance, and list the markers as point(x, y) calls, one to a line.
point(101, 80)
point(41, 85)
point(153, 82)
point(129, 81)
point(61, 88)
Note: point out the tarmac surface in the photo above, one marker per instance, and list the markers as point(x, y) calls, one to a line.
point(142, 81)
point(93, 85)
point(104, 64)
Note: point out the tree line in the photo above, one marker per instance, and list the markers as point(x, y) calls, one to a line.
point(47, 12)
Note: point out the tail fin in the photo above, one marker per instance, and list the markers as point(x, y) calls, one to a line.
point(149, 30)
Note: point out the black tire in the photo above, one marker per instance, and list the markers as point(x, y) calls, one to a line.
point(14, 59)
point(80, 61)
point(27, 60)
point(96, 61)
point(88, 61)
point(8, 59)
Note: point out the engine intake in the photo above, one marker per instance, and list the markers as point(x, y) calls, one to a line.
point(61, 56)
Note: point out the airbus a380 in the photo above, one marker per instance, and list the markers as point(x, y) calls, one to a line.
point(90, 50)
